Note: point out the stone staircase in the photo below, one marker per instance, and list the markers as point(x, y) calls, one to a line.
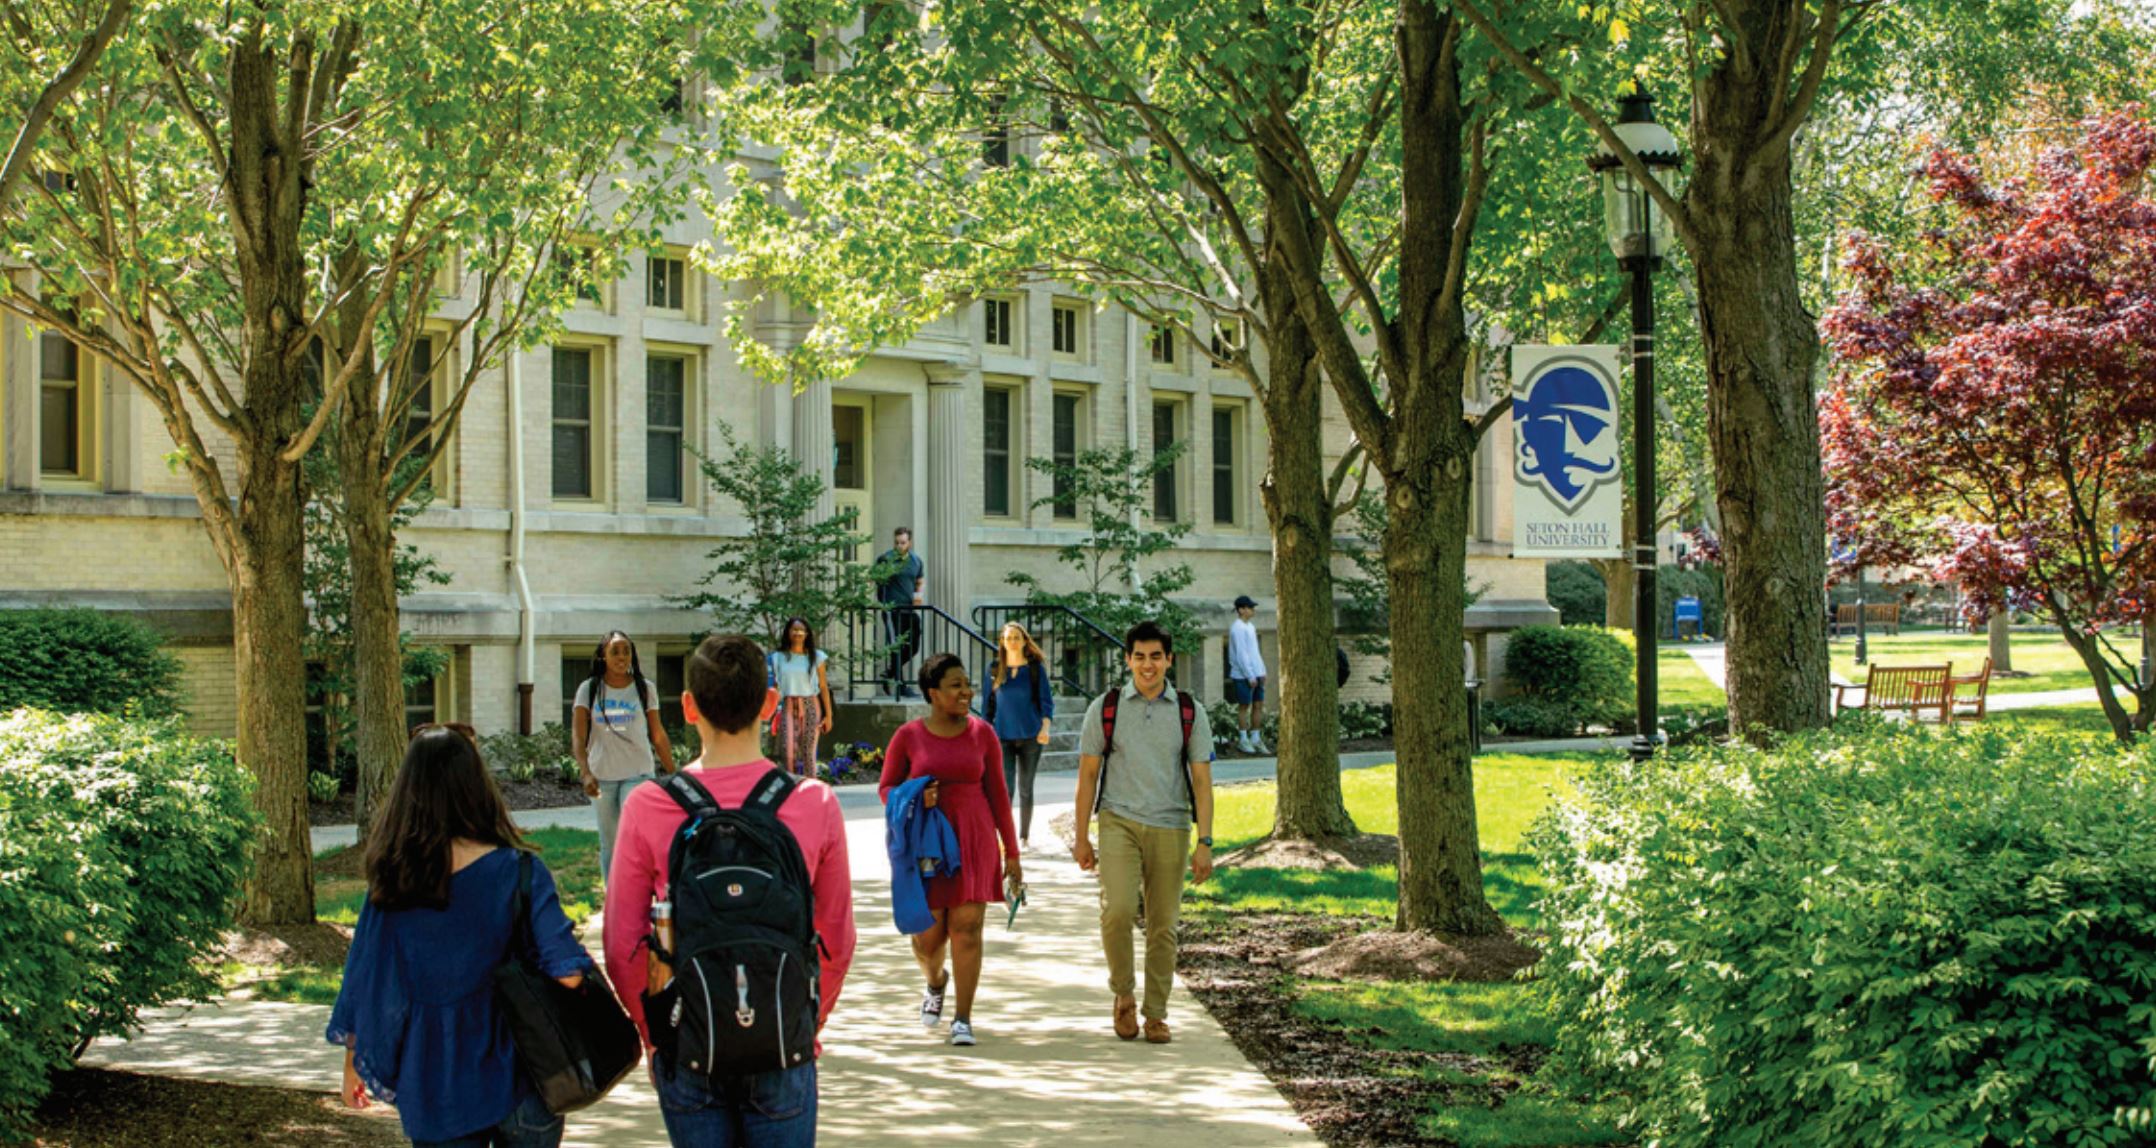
point(1061, 753)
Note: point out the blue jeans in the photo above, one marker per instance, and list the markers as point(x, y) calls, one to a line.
point(528, 1125)
point(769, 1110)
point(608, 803)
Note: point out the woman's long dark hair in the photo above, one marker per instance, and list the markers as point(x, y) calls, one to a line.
point(442, 792)
point(598, 669)
point(786, 640)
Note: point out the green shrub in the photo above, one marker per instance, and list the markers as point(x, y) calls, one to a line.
point(1577, 591)
point(522, 757)
point(84, 661)
point(1587, 670)
point(1529, 717)
point(1366, 719)
point(323, 788)
point(1868, 936)
point(122, 848)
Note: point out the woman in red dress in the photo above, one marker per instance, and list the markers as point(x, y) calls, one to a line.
point(961, 752)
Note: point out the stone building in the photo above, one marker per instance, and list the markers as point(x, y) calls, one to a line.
point(589, 467)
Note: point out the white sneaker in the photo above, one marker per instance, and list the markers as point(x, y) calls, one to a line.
point(962, 1034)
point(932, 1005)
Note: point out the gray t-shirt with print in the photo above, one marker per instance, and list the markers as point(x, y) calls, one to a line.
point(1143, 777)
point(619, 744)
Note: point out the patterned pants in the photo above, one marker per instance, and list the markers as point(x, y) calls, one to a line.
point(797, 725)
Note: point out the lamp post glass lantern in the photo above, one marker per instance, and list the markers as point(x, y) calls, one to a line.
point(1639, 235)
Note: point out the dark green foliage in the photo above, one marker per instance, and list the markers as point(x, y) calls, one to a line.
point(1529, 717)
point(1578, 592)
point(1882, 935)
point(1703, 583)
point(1584, 671)
point(1365, 719)
point(84, 661)
point(122, 847)
point(543, 753)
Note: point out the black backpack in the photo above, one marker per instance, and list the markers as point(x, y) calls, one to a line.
point(745, 993)
point(1186, 708)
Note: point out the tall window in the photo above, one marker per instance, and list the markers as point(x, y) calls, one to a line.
point(1163, 346)
point(578, 267)
point(665, 423)
point(1226, 449)
point(422, 703)
point(799, 65)
point(666, 284)
point(996, 138)
point(996, 451)
point(574, 465)
point(1227, 340)
point(417, 380)
point(996, 323)
point(1067, 413)
point(62, 402)
point(1065, 324)
point(1164, 493)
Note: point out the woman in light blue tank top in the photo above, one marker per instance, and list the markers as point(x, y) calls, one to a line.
point(804, 713)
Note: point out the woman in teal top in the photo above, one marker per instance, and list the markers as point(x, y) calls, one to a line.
point(804, 713)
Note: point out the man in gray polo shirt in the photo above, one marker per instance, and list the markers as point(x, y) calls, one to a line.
point(1150, 790)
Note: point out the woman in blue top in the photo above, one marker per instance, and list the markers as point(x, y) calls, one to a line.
point(805, 710)
point(1021, 706)
point(416, 1015)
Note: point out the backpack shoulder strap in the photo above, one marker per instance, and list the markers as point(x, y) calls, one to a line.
point(1108, 703)
point(689, 794)
point(771, 791)
point(1186, 707)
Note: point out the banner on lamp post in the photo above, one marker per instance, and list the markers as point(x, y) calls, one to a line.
point(1567, 470)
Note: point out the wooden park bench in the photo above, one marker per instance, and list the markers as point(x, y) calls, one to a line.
point(1902, 689)
point(1969, 697)
point(1878, 616)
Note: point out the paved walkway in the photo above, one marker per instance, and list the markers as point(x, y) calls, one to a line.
point(1048, 1072)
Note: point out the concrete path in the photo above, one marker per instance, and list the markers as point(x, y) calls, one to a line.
point(1049, 1070)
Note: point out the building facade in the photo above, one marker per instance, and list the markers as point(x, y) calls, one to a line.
point(569, 503)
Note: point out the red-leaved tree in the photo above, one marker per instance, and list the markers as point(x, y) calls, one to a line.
point(1992, 413)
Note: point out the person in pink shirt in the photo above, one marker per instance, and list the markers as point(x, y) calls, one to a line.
point(963, 754)
point(728, 699)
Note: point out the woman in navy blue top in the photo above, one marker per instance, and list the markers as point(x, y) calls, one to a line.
point(416, 1014)
point(1021, 706)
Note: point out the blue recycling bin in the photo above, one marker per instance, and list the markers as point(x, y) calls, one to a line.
point(1687, 610)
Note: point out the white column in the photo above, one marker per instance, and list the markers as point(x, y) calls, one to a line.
point(812, 440)
point(946, 546)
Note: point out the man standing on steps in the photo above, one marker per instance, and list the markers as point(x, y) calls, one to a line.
point(1146, 753)
point(1246, 676)
point(904, 586)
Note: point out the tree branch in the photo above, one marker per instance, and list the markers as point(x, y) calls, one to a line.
point(55, 93)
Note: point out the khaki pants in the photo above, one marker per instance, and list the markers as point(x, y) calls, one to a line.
point(1134, 856)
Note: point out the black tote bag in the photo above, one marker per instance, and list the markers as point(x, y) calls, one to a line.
point(573, 1044)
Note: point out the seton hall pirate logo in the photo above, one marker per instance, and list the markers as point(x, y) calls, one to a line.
point(1565, 433)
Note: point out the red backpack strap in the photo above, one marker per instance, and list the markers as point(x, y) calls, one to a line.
point(1108, 703)
point(1187, 708)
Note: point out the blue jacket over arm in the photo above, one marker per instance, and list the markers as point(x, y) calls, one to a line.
point(922, 844)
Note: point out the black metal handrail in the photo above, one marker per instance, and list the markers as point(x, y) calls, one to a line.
point(896, 638)
point(1083, 657)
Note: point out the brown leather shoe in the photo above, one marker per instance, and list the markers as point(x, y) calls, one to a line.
point(1126, 1017)
point(1156, 1032)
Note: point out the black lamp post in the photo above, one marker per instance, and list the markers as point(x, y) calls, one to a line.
point(1864, 609)
point(1639, 233)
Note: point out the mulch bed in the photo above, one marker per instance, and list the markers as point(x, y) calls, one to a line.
point(1350, 1095)
point(320, 944)
point(100, 1108)
point(538, 793)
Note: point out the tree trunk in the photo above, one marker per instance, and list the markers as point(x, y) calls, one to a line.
point(1426, 570)
point(2092, 657)
point(377, 654)
point(269, 622)
point(2002, 645)
point(1762, 418)
point(1298, 508)
point(267, 197)
point(1618, 582)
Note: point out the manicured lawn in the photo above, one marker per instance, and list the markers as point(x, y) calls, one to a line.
point(1680, 682)
point(2050, 663)
point(1490, 1022)
point(2084, 719)
point(571, 854)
